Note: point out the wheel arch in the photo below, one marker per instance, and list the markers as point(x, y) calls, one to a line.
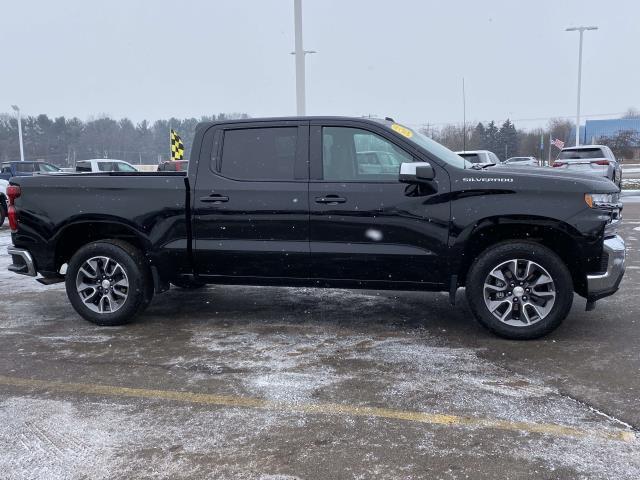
point(74, 236)
point(559, 237)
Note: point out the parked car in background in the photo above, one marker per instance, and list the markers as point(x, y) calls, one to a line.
point(592, 159)
point(522, 162)
point(174, 166)
point(3, 200)
point(481, 157)
point(25, 169)
point(373, 162)
point(104, 165)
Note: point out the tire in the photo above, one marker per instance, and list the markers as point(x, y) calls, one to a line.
point(532, 306)
point(123, 267)
point(187, 283)
point(3, 215)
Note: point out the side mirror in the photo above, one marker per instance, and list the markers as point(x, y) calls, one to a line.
point(416, 172)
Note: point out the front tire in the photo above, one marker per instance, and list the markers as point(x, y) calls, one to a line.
point(109, 282)
point(519, 290)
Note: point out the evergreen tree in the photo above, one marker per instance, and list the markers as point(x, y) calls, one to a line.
point(478, 138)
point(507, 141)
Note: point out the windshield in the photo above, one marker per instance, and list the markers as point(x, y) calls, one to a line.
point(431, 146)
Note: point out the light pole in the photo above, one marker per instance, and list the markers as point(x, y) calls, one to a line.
point(300, 54)
point(581, 30)
point(17, 109)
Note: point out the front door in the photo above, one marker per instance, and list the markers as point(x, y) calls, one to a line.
point(364, 224)
point(251, 205)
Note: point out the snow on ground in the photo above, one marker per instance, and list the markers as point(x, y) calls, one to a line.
point(9, 281)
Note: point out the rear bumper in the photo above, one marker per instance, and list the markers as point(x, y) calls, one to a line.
point(604, 284)
point(22, 262)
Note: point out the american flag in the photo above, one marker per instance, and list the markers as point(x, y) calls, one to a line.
point(558, 143)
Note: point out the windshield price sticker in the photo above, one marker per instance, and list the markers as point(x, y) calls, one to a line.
point(404, 131)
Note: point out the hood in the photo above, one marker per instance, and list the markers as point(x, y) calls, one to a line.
point(541, 176)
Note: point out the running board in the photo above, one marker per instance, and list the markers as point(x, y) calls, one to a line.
point(50, 280)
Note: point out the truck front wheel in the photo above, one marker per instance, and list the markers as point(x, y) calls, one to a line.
point(519, 290)
point(108, 282)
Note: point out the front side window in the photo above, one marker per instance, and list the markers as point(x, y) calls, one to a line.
point(6, 168)
point(259, 153)
point(124, 167)
point(47, 167)
point(353, 154)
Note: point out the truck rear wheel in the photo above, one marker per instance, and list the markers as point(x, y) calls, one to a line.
point(519, 290)
point(108, 282)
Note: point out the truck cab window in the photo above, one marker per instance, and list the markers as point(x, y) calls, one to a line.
point(353, 154)
point(259, 153)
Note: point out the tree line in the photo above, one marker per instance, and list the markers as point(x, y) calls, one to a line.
point(508, 141)
point(62, 141)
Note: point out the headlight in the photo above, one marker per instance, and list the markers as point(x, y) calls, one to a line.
point(602, 200)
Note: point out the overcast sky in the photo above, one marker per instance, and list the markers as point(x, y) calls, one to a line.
point(155, 59)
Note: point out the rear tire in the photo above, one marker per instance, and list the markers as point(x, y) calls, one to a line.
point(109, 282)
point(532, 302)
point(3, 215)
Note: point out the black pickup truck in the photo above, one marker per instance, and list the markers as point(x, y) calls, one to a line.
point(324, 202)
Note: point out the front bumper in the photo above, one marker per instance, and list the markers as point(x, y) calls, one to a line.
point(22, 262)
point(604, 284)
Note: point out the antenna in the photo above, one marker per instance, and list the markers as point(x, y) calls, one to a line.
point(464, 118)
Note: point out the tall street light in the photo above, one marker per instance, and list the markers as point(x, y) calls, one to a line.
point(581, 30)
point(15, 107)
point(300, 54)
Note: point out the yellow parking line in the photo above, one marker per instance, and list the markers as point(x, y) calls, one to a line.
point(319, 409)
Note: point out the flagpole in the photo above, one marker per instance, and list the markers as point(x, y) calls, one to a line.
point(170, 156)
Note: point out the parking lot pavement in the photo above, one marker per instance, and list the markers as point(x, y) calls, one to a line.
point(282, 383)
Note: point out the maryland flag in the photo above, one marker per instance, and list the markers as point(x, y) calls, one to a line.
point(177, 147)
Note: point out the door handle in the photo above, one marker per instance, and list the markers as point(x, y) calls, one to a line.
point(331, 199)
point(215, 198)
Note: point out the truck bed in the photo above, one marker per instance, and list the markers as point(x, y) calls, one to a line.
point(151, 205)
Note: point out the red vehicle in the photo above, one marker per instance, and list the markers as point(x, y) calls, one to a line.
point(174, 166)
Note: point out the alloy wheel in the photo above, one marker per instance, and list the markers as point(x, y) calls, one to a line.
point(519, 292)
point(102, 284)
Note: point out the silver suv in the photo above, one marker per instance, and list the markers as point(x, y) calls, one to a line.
point(593, 159)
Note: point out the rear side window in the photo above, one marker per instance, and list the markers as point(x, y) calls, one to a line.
point(25, 167)
point(581, 153)
point(259, 153)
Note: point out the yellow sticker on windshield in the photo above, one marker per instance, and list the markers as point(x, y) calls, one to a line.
point(404, 131)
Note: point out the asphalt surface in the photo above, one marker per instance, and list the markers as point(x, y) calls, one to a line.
point(284, 383)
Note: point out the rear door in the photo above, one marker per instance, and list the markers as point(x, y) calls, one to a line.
point(251, 205)
point(365, 224)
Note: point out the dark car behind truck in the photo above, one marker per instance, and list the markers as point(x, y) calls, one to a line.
point(25, 169)
point(289, 202)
